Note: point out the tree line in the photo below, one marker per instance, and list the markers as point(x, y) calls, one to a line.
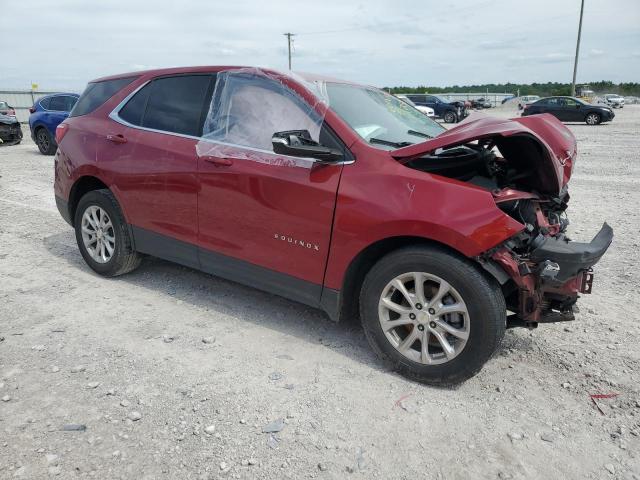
point(543, 89)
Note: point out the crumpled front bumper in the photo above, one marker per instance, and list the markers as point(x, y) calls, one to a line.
point(550, 278)
point(10, 133)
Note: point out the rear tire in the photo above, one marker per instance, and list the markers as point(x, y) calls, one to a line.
point(44, 141)
point(103, 235)
point(477, 333)
point(450, 117)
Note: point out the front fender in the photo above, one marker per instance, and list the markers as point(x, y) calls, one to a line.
point(373, 207)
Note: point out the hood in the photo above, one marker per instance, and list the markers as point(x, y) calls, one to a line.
point(541, 142)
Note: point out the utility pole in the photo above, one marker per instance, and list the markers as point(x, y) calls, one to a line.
point(575, 63)
point(289, 40)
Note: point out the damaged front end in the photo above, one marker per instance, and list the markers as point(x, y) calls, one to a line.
point(546, 270)
point(525, 164)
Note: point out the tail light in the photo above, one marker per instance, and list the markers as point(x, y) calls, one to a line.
point(32, 109)
point(61, 131)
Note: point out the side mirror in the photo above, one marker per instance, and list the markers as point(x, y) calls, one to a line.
point(298, 143)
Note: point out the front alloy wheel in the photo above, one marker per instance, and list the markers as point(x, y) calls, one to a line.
point(593, 119)
point(450, 117)
point(433, 315)
point(424, 318)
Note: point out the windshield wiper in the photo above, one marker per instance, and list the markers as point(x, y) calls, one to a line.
point(389, 143)
point(418, 134)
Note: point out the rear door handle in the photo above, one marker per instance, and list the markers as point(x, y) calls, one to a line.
point(220, 162)
point(116, 138)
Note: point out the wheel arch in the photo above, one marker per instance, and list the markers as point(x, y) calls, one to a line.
point(81, 187)
point(367, 258)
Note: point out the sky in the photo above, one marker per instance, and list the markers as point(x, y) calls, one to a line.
point(66, 43)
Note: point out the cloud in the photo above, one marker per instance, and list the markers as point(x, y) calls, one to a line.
point(380, 43)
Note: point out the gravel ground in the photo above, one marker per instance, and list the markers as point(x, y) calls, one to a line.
point(171, 373)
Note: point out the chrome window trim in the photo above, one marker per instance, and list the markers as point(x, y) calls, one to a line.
point(114, 115)
point(58, 95)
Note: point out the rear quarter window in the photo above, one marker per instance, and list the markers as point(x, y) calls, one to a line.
point(97, 93)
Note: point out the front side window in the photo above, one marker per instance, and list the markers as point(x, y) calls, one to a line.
point(380, 118)
point(248, 108)
point(176, 104)
point(570, 102)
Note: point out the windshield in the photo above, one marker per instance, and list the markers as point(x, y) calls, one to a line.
point(380, 118)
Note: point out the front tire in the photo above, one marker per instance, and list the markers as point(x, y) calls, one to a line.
point(432, 315)
point(44, 141)
point(103, 236)
point(450, 117)
point(593, 119)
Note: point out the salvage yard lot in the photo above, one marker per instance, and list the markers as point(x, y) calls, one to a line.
point(176, 373)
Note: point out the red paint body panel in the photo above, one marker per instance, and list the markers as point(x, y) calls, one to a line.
point(155, 176)
point(380, 198)
point(267, 211)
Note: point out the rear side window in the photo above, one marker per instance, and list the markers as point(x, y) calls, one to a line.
point(45, 103)
point(97, 93)
point(176, 104)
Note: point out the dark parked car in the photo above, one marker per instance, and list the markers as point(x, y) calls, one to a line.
point(337, 195)
point(570, 109)
point(46, 115)
point(10, 130)
point(6, 109)
point(480, 103)
point(450, 112)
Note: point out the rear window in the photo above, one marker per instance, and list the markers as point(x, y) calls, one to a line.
point(4, 105)
point(97, 93)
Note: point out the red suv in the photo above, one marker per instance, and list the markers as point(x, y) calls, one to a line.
point(336, 195)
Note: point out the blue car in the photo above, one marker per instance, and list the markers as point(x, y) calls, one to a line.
point(46, 114)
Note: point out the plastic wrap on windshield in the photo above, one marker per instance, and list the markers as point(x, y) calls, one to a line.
point(249, 105)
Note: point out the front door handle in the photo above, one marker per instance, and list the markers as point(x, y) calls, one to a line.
point(116, 138)
point(220, 162)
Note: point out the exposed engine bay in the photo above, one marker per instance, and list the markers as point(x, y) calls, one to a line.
point(541, 270)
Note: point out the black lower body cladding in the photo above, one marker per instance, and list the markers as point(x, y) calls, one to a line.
point(573, 257)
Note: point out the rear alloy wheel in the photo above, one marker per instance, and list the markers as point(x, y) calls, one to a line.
point(450, 117)
point(45, 142)
point(432, 315)
point(103, 235)
point(593, 119)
